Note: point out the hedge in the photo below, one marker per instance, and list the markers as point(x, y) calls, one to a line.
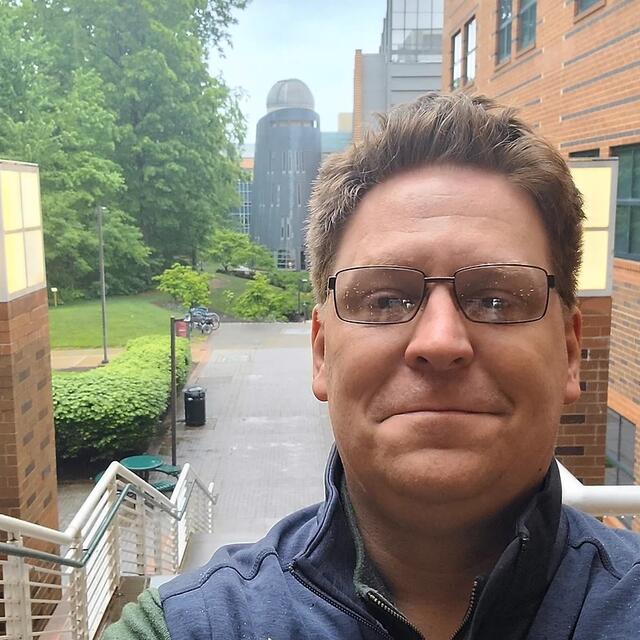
point(114, 409)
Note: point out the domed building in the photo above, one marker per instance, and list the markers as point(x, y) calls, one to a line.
point(287, 157)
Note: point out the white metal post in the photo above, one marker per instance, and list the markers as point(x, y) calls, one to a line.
point(141, 541)
point(17, 595)
point(78, 594)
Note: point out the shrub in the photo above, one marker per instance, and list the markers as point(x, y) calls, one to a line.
point(184, 285)
point(105, 412)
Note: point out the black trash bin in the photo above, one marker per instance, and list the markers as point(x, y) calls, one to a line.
point(194, 407)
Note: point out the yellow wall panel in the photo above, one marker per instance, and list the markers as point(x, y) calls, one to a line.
point(595, 185)
point(593, 274)
point(11, 201)
point(15, 257)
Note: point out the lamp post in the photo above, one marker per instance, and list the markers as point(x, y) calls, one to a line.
point(301, 283)
point(54, 290)
point(103, 286)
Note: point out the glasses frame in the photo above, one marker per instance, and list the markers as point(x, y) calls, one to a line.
point(550, 280)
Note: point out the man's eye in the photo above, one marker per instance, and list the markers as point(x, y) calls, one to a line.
point(392, 302)
point(494, 302)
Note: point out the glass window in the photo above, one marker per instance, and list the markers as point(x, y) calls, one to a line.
point(627, 239)
point(587, 153)
point(526, 23)
point(456, 72)
point(504, 31)
point(411, 6)
point(620, 449)
point(583, 5)
point(470, 44)
point(397, 21)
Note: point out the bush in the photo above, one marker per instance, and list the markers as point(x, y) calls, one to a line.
point(112, 410)
point(186, 286)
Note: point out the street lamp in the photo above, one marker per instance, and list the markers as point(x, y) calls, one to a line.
point(103, 286)
point(301, 283)
point(54, 290)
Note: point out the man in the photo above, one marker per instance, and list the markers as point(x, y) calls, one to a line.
point(446, 341)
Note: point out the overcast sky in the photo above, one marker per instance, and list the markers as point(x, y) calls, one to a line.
point(313, 40)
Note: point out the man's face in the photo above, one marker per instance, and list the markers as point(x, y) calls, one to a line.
point(442, 409)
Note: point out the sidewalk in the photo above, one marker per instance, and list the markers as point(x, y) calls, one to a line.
point(266, 438)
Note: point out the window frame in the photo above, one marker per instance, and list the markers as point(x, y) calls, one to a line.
point(466, 54)
point(523, 7)
point(615, 461)
point(457, 81)
point(504, 26)
point(632, 202)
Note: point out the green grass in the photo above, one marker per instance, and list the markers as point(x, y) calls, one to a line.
point(79, 325)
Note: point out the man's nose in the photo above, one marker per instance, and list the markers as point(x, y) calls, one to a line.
point(440, 338)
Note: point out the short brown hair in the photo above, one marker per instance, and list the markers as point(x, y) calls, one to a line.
point(455, 129)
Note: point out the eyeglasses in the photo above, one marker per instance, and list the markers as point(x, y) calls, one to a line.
point(488, 293)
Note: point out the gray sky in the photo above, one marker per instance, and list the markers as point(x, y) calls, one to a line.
point(313, 40)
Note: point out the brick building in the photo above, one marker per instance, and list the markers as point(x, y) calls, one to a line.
point(572, 68)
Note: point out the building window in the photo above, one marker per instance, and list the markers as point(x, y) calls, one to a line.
point(470, 50)
point(299, 194)
point(587, 153)
point(583, 5)
point(627, 243)
point(456, 71)
point(620, 449)
point(503, 51)
point(526, 24)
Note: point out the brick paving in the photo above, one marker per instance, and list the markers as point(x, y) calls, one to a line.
point(266, 437)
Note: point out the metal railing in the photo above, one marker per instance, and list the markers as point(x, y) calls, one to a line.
point(59, 584)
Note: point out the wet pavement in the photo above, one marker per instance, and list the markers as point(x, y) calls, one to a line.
point(266, 438)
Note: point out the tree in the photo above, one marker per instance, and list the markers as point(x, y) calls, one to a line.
point(234, 249)
point(177, 128)
point(261, 301)
point(184, 285)
point(63, 125)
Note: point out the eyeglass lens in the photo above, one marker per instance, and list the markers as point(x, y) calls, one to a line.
point(486, 293)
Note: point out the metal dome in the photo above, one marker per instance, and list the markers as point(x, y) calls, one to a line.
point(286, 94)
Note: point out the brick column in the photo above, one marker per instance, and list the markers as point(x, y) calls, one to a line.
point(28, 486)
point(583, 425)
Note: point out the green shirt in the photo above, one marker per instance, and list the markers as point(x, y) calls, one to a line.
point(143, 620)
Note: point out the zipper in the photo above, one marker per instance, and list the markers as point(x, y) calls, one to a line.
point(335, 604)
point(393, 612)
point(470, 609)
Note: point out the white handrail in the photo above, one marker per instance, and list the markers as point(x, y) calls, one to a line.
point(599, 500)
point(124, 527)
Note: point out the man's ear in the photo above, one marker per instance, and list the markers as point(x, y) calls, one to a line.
point(573, 337)
point(319, 384)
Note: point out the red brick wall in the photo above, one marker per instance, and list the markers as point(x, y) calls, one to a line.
point(581, 438)
point(579, 86)
point(28, 487)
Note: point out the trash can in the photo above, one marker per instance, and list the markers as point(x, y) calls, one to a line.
point(194, 407)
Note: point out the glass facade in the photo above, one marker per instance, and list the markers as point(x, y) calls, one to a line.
point(620, 449)
point(627, 243)
point(505, 17)
point(242, 215)
point(413, 30)
point(527, 23)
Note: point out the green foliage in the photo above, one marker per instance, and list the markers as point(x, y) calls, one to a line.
point(234, 249)
point(184, 285)
point(261, 301)
point(114, 102)
point(113, 410)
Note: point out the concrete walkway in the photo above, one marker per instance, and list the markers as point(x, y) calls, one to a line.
point(266, 438)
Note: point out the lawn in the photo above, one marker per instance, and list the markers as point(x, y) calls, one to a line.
point(79, 325)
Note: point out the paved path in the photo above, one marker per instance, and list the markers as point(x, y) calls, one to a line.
point(266, 438)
